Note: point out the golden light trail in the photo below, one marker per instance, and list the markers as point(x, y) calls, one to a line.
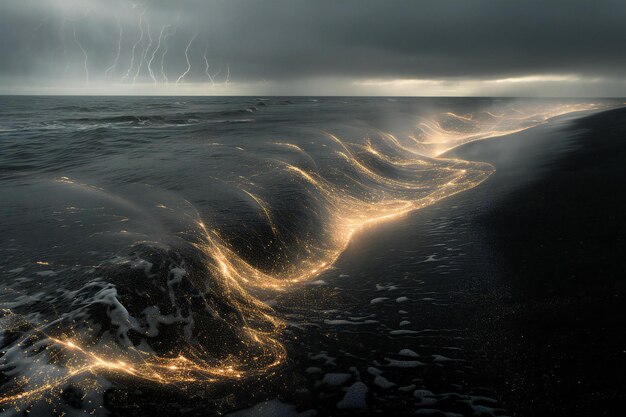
point(425, 180)
point(435, 139)
point(266, 210)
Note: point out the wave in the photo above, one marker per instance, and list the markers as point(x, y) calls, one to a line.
point(238, 112)
point(143, 120)
point(82, 122)
point(181, 304)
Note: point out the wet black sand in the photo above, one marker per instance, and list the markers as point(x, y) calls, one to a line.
point(560, 241)
point(514, 291)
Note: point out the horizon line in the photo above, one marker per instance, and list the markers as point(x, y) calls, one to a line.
point(304, 95)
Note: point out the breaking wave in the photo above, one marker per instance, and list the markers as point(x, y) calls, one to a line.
point(136, 284)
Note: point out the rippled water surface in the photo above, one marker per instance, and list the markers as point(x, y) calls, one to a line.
point(141, 237)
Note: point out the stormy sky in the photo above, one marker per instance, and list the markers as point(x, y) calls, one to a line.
point(315, 47)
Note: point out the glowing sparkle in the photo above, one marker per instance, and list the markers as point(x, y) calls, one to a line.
point(426, 179)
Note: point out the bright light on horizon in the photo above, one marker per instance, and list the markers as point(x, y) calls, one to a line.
point(544, 85)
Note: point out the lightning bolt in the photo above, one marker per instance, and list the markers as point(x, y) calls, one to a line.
point(155, 51)
point(206, 62)
point(187, 58)
point(219, 71)
point(227, 77)
point(145, 51)
point(167, 35)
point(107, 72)
point(83, 51)
point(132, 56)
point(86, 58)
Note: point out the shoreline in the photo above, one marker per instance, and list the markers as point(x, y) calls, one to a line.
point(448, 271)
point(434, 312)
point(555, 239)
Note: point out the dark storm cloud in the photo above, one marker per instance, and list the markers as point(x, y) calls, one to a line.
point(291, 40)
point(427, 38)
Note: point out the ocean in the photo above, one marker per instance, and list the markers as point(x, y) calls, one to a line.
point(147, 241)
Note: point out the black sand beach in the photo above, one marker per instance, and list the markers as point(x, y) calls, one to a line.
point(506, 299)
point(559, 241)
